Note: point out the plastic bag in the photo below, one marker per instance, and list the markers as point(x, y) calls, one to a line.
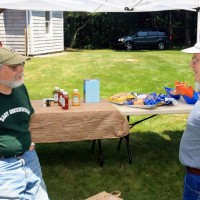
point(183, 88)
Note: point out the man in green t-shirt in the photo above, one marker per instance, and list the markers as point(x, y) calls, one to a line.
point(20, 171)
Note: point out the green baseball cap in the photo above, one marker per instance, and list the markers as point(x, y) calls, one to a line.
point(10, 57)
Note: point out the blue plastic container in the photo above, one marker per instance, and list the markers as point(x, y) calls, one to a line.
point(168, 91)
point(192, 100)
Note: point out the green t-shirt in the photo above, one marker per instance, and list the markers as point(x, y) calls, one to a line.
point(15, 113)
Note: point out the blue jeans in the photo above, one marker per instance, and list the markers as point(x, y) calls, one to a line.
point(21, 178)
point(191, 187)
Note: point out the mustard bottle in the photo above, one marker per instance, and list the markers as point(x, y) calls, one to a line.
point(75, 98)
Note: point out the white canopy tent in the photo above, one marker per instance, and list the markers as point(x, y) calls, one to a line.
point(100, 5)
point(104, 6)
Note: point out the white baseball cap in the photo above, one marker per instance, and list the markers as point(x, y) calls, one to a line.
point(194, 49)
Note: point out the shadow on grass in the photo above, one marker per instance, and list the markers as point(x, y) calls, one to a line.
point(72, 172)
point(149, 145)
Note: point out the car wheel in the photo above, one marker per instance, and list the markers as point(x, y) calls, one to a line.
point(161, 45)
point(128, 46)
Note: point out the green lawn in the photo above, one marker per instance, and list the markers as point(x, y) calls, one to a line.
point(71, 171)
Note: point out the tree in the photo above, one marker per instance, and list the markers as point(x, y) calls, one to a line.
point(187, 29)
point(100, 30)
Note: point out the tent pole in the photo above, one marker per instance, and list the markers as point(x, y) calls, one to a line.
point(198, 24)
point(27, 36)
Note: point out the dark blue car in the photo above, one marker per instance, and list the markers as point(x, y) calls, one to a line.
point(152, 38)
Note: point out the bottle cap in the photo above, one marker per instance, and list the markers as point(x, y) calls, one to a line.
point(65, 93)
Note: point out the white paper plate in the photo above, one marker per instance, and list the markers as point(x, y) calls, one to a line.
point(117, 103)
point(143, 106)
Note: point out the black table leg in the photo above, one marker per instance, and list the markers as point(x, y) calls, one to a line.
point(127, 136)
point(119, 144)
point(128, 148)
point(100, 151)
point(93, 144)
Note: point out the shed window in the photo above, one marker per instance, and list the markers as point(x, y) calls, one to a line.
point(48, 22)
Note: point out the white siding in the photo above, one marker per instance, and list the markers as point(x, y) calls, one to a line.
point(12, 25)
point(42, 42)
point(2, 30)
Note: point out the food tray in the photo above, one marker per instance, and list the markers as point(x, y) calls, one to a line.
point(143, 106)
point(117, 103)
point(168, 91)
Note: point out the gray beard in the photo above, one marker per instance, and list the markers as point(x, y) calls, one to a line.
point(12, 84)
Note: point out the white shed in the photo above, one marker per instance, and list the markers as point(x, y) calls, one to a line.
point(32, 32)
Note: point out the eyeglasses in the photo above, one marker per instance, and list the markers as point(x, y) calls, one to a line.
point(195, 60)
point(15, 66)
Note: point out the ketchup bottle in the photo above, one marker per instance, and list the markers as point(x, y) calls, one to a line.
point(60, 97)
point(65, 101)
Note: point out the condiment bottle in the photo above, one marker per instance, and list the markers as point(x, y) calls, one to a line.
point(75, 98)
point(55, 94)
point(60, 97)
point(65, 101)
